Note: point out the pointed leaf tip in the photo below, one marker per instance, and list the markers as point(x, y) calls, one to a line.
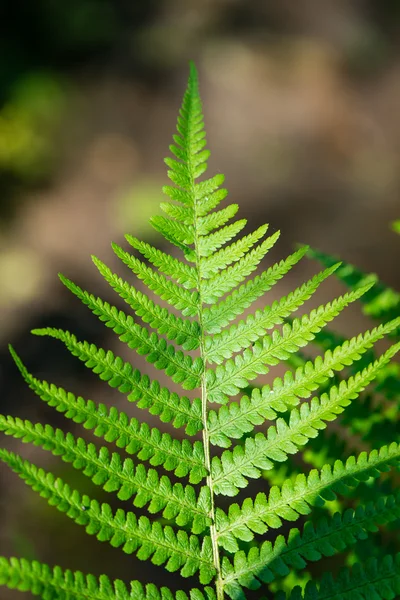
point(193, 70)
point(63, 279)
point(39, 331)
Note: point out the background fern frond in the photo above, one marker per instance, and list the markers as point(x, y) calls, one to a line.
point(375, 579)
point(326, 538)
point(295, 498)
point(381, 302)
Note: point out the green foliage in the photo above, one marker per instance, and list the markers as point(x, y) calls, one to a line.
point(197, 345)
point(63, 585)
point(372, 580)
point(28, 124)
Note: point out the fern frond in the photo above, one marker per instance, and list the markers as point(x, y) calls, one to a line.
point(175, 232)
point(229, 378)
point(228, 279)
point(232, 253)
point(184, 214)
point(381, 302)
point(214, 220)
point(192, 530)
point(231, 470)
point(295, 498)
point(234, 419)
point(190, 143)
point(181, 367)
point(328, 537)
point(120, 374)
point(176, 502)
point(179, 297)
point(183, 331)
point(375, 580)
point(55, 583)
point(220, 315)
point(149, 541)
point(182, 272)
point(160, 449)
point(206, 194)
point(171, 408)
point(206, 191)
point(239, 336)
point(208, 244)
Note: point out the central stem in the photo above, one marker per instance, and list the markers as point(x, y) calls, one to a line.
point(194, 113)
point(213, 528)
point(210, 483)
point(206, 436)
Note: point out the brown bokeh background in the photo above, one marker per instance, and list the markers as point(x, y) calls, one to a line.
point(301, 105)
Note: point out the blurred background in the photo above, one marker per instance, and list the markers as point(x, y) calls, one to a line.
point(301, 102)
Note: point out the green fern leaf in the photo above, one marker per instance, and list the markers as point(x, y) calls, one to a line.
point(230, 472)
point(179, 297)
point(184, 214)
point(139, 339)
point(207, 245)
point(160, 449)
point(179, 234)
point(225, 281)
point(228, 379)
point(232, 420)
point(214, 220)
point(220, 315)
point(232, 253)
point(328, 537)
point(183, 273)
point(376, 580)
point(120, 374)
point(239, 336)
point(49, 584)
point(164, 546)
point(149, 395)
point(186, 333)
point(177, 502)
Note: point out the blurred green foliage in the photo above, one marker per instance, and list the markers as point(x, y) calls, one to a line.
point(137, 205)
point(396, 226)
point(28, 125)
point(38, 43)
point(43, 45)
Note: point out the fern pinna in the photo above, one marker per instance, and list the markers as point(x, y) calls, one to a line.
point(232, 550)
